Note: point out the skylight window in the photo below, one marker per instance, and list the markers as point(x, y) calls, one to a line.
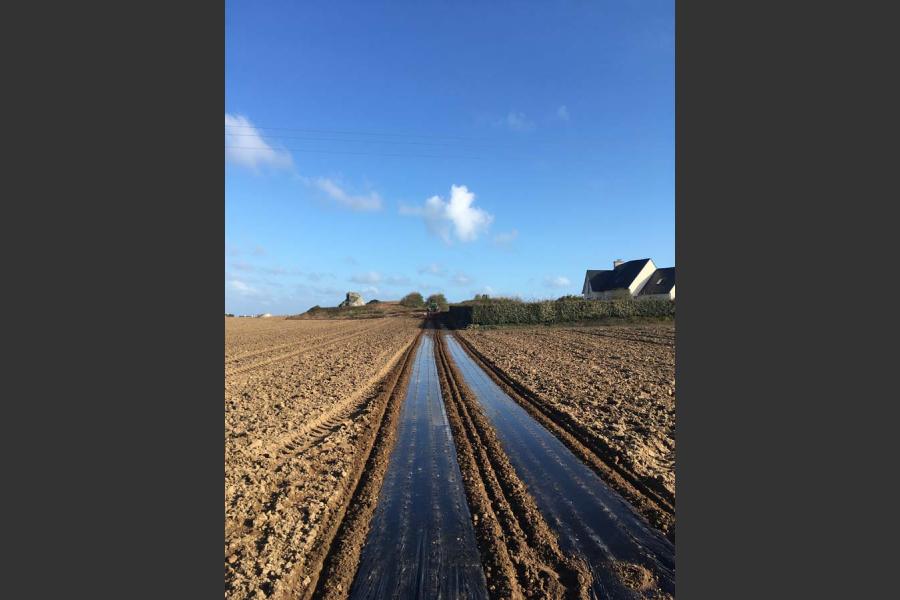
point(660, 281)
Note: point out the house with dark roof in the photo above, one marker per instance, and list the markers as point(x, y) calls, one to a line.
point(660, 285)
point(630, 279)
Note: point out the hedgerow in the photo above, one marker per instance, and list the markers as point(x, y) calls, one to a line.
point(501, 312)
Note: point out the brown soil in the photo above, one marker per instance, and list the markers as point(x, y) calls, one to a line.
point(304, 402)
point(340, 565)
point(607, 392)
point(635, 576)
point(520, 553)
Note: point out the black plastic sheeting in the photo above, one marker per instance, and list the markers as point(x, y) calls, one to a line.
point(591, 519)
point(421, 543)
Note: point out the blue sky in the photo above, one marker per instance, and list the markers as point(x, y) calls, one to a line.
point(463, 147)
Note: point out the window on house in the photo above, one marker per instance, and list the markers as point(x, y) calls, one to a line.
point(659, 282)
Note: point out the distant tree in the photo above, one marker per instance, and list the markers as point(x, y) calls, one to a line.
point(374, 302)
point(481, 298)
point(438, 300)
point(413, 300)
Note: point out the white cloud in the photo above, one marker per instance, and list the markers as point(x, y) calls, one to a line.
point(370, 277)
point(315, 277)
point(240, 265)
point(432, 269)
point(232, 250)
point(557, 282)
point(242, 288)
point(562, 113)
point(462, 279)
point(517, 121)
point(507, 237)
point(456, 216)
point(396, 280)
point(245, 146)
point(367, 202)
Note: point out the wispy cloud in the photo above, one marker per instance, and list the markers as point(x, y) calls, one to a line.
point(432, 269)
point(557, 282)
point(506, 238)
point(241, 288)
point(455, 217)
point(245, 267)
point(516, 121)
point(396, 280)
point(232, 250)
point(462, 279)
point(562, 113)
point(371, 277)
point(245, 146)
point(359, 202)
point(315, 277)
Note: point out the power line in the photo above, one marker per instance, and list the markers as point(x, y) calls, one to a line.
point(347, 132)
point(484, 143)
point(353, 153)
point(352, 141)
point(291, 137)
point(399, 135)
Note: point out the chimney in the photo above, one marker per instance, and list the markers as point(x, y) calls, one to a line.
point(617, 262)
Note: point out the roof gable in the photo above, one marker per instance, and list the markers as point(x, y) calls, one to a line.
point(661, 282)
point(620, 277)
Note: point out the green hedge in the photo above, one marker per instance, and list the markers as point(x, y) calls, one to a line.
point(499, 312)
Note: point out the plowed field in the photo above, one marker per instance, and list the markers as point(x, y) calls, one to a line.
point(303, 404)
point(388, 457)
point(614, 385)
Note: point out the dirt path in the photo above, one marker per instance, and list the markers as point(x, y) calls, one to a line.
point(421, 543)
point(627, 557)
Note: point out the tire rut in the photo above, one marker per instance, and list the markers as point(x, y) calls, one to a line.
point(299, 353)
point(656, 505)
point(520, 553)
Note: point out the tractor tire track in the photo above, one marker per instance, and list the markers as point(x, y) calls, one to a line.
point(654, 504)
point(520, 553)
point(324, 336)
point(310, 435)
point(231, 375)
point(627, 558)
point(421, 543)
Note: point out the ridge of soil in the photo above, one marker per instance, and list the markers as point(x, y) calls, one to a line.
point(340, 556)
point(520, 553)
point(656, 507)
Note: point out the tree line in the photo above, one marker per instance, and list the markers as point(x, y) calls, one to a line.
point(415, 300)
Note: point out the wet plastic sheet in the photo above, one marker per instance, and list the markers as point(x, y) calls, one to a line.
point(589, 517)
point(421, 543)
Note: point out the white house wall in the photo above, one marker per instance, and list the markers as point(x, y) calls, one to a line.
point(642, 277)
